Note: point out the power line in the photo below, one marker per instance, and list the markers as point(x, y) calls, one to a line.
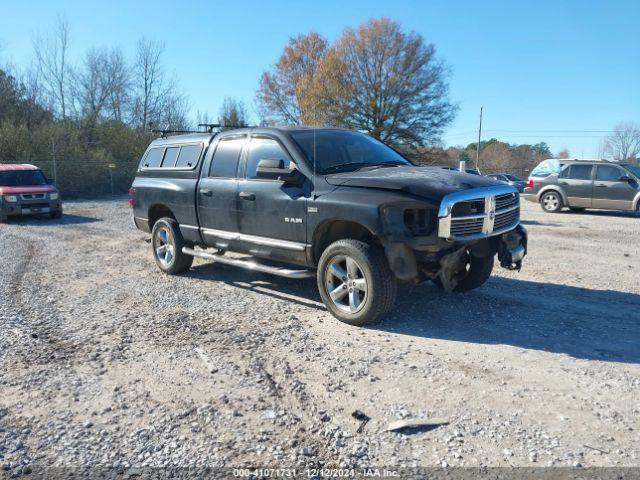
point(540, 132)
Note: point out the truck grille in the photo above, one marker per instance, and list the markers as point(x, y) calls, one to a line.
point(33, 196)
point(478, 213)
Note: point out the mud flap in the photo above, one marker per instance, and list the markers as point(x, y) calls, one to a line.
point(512, 247)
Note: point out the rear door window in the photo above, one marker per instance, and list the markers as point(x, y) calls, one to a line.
point(153, 158)
point(170, 157)
point(608, 173)
point(577, 172)
point(226, 157)
point(189, 156)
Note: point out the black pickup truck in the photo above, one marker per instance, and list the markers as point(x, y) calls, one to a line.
point(331, 203)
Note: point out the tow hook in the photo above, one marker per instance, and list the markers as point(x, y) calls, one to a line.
point(512, 248)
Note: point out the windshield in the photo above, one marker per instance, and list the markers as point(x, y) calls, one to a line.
point(22, 178)
point(342, 151)
point(635, 169)
point(513, 178)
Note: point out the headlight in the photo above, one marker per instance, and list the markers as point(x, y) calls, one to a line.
point(54, 196)
point(10, 198)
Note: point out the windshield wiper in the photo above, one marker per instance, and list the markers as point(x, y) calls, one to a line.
point(391, 163)
point(344, 167)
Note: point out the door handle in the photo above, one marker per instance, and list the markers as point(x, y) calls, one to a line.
point(206, 192)
point(601, 186)
point(248, 196)
point(564, 183)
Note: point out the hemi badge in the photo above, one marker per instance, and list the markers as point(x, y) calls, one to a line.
point(312, 209)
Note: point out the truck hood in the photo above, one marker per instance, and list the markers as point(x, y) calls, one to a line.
point(27, 189)
point(431, 183)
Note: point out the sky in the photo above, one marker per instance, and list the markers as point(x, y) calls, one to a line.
point(564, 72)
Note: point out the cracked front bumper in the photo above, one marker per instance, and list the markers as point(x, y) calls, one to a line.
point(512, 248)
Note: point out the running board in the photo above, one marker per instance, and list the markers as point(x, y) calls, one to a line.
point(250, 265)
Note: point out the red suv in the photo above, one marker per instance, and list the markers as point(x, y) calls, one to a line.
point(24, 190)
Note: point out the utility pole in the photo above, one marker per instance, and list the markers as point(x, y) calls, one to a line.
point(478, 147)
point(54, 170)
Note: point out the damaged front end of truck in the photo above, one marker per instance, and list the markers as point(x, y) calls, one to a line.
point(468, 229)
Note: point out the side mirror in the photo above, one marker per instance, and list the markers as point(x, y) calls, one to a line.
point(270, 169)
point(50, 181)
point(624, 178)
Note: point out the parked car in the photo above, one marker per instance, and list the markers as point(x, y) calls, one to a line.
point(333, 204)
point(24, 190)
point(472, 171)
point(513, 180)
point(582, 184)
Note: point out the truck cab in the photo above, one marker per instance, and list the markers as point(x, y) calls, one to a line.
point(331, 203)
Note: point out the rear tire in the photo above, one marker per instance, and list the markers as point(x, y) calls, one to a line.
point(355, 282)
point(551, 202)
point(167, 243)
point(478, 272)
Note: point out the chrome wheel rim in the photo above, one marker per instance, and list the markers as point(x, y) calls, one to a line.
point(346, 284)
point(550, 202)
point(163, 246)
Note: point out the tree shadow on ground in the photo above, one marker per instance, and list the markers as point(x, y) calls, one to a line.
point(603, 213)
point(580, 322)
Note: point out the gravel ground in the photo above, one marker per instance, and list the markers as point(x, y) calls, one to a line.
point(105, 361)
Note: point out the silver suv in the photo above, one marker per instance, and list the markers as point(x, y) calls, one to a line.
point(582, 184)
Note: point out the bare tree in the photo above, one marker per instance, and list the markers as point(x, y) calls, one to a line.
point(100, 87)
point(119, 79)
point(149, 82)
point(156, 98)
point(624, 142)
point(563, 154)
point(51, 51)
point(398, 88)
point(233, 112)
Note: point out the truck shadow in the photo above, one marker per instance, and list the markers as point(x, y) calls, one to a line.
point(46, 221)
point(302, 292)
point(583, 323)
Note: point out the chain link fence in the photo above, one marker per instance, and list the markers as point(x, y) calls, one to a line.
point(89, 178)
point(520, 172)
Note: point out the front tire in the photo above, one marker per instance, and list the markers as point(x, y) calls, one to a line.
point(56, 214)
point(355, 282)
point(551, 202)
point(167, 243)
point(477, 272)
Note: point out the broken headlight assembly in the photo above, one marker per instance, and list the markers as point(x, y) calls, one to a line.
point(419, 221)
point(409, 220)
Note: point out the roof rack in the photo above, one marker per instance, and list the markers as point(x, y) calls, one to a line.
point(209, 128)
point(165, 133)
